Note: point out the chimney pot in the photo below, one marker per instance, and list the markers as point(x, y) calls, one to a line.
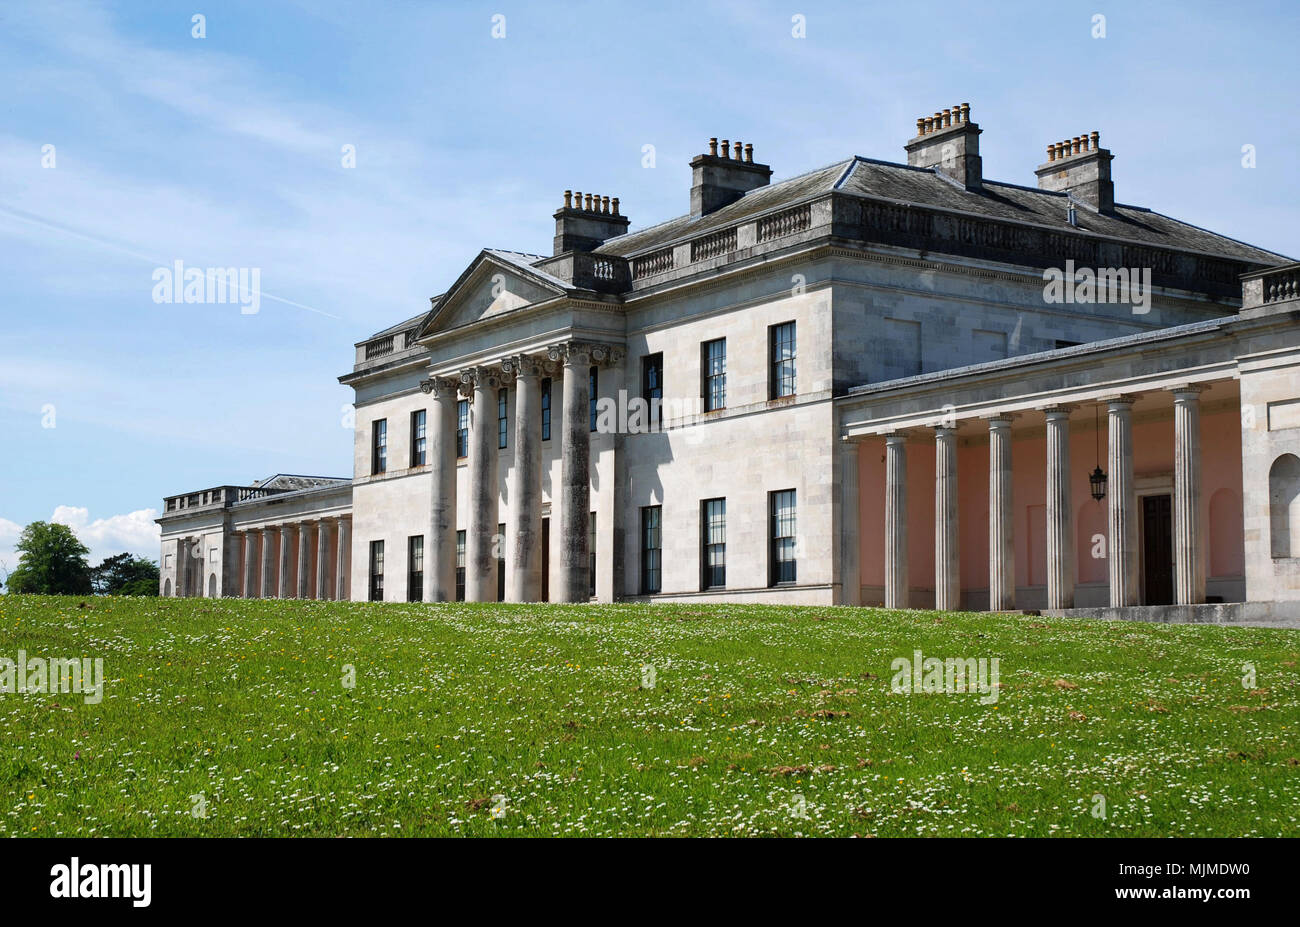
point(920, 127)
point(588, 202)
point(713, 147)
point(604, 205)
point(1077, 149)
point(568, 199)
point(737, 151)
point(947, 118)
point(965, 112)
point(749, 153)
point(1096, 140)
point(614, 202)
point(1051, 152)
point(1084, 138)
point(956, 114)
point(726, 148)
point(929, 125)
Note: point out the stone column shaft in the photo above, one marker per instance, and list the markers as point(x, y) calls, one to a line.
point(1189, 567)
point(850, 526)
point(480, 549)
point(947, 577)
point(286, 561)
point(896, 580)
point(250, 564)
point(1002, 550)
point(524, 584)
point(440, 545)
point(268, 564)
point(304, 560)
point(1060, 511)
point(323, 546)
point(342, 560)
point(575, 476)
point(1122, 554)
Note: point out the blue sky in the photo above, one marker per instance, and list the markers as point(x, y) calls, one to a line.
point(226, 151)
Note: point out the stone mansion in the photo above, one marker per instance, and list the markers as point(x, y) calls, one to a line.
point(872, 383)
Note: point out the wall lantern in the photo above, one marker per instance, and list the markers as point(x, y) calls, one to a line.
point(1097, 479)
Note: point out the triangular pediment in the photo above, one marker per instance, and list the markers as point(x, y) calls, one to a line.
point(489, 287)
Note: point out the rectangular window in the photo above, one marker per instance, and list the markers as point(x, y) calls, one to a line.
point(376, 571)
point(460, 566)
point(501, 562)
point(593, 381)
point(591, 557)
point(462, 428)
point(379, 446)
point(418, 439)
point(546, 409)
point(501, 418)
point(781, 506)
point(713, 365)
point(652, 388)
point(415, 568)
point(651, 549)
point(781, 341)
point(713, 541)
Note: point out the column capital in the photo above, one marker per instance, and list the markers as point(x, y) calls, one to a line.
point(1116, 401)
point(896, 438)
point(579, 353)
point(485, 376)
point(1000, 419)
point(526, 365)
point(439, 386)
point(1057, 409)
point(1187, 391)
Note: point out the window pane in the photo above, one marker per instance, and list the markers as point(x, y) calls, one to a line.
point(714, 537)
point(782, 536)
point(546, 409)
point(501, 418)
point(651, 553)
point(715, 374)
point(783, 360)
point(415, 568)
point(379, 449)
point(462, 428)
point(376, 571)
point(460, 566)
point(418, 438)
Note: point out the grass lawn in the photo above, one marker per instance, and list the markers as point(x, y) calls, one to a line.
point(533, 720)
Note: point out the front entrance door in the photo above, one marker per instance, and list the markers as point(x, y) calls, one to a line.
point(1157, 550)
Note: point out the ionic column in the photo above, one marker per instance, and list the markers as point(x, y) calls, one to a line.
point(947, 580)
point(342, 559)
point(323, 559)
point(480, 555)
point(895, 521)
point(850, 526)
point(575, 471)
point(250, 564)
point(524, 584)
point(304, 560)
point(1189, 568)
point(1122, 554)
point(286, 561)
point(440, 544)
point(268, 564)
point(1060, 510)
point(1002, 550)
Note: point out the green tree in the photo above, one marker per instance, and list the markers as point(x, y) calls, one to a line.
point(125, 574)
point(52, 562)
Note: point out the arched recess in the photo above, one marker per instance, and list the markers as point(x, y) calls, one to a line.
point(167, 588)
point(1284, 506)
point(212, 586)
point(1227, 541)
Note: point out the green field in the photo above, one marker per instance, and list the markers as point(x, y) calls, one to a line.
point(534, 720)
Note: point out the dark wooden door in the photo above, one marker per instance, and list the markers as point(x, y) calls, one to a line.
point(1158, 550)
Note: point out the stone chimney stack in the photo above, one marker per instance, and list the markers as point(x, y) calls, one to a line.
point(950, 143)
point(1080, 167)
point(584, 225)
point(718, 179)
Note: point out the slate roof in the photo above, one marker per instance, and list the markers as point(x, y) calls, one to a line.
point(924, 187)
